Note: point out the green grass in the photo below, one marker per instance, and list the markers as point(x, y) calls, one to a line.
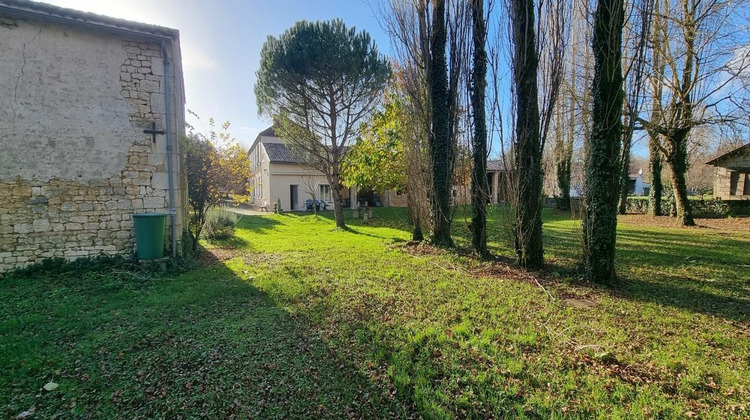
point(300, 320)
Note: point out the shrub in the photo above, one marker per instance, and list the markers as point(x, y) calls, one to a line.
point(219, 224)
point(638, 205)
point(700, 208)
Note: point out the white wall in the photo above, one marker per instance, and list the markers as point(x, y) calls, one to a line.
point(282, 176)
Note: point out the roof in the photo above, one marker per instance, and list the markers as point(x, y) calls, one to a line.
point(279, 153)
point(43, 11)
point(268, 132)
point(740, 150)
point(496, 165)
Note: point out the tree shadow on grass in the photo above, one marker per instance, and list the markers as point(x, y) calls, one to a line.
point(204, 343)
point(678, 270)
point(258, 224)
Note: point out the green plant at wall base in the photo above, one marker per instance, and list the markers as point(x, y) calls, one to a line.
point(219, 224)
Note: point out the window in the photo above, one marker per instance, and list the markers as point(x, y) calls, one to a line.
point(324, 191)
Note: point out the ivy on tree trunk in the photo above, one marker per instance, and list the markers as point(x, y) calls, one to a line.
point(440, 136)
point(654, 165)
point(479, 185)
point(678, 162)
point(601, 180)
point(528, 229)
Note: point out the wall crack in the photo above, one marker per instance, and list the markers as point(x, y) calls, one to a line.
point(18, 79)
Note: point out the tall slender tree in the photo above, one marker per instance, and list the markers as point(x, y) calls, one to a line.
point(601, 172)
point(479, 185)
point(565, 139)
point(441, 147)
point(637, 32)
point(407, 24)
point(528, 151)
point(654, 152)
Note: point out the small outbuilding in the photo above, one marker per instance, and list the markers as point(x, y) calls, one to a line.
point(732, 179)
point(91, 111)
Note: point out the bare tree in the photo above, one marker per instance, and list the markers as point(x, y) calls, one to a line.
point(535, 45)
point(408, 25)
point(637, 31)
point(432, 61)
point(479, 186)
point(703, 76)
point(310, 185)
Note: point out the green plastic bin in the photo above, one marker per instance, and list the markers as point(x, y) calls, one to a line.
point(149, 234)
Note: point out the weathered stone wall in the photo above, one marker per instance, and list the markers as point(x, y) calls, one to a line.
point(738, 164)
point(395, 199)
point(75, 164)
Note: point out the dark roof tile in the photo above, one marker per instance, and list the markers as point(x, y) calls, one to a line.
point(279, 153)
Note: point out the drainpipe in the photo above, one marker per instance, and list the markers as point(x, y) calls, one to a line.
point(168, 130)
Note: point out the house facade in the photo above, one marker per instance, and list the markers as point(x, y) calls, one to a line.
point(80, 90)
point(276, 176)
point(732, 178)
point(636, 185)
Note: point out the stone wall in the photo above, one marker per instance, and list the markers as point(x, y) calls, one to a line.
point(395, 199)
point(737, 166)
point(76, 164)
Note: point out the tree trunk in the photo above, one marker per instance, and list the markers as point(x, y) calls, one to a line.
point(677, 162)
point(413, 210)
point(625, 173)
point(654, 139)
point(565, 156)
point(654, 164)
point(528, 229)
point(338, 208)
point(440, 136)
point(564, 171)
point(416, 232)
point(479, 186)
point(602, 169)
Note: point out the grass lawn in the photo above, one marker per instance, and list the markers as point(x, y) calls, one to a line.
point(294, 319)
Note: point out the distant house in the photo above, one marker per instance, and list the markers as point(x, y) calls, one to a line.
point(276, 175)
point(636, 184)
point(497, 179)
point(732, 179)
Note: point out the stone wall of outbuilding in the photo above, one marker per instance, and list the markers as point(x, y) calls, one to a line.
point(732, 178)
point(75, 163)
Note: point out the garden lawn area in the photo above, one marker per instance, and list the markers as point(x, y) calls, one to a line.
point(292, 318)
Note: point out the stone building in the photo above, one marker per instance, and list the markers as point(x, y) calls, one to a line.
point(79, 92)
point(732, 179)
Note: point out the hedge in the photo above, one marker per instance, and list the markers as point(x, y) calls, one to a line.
point(701, 208)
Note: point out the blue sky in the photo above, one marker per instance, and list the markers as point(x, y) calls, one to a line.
point(221, 43)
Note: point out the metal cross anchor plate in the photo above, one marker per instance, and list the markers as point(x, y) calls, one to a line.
point(153, 131)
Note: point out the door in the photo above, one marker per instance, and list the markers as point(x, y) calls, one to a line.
point(293, 195)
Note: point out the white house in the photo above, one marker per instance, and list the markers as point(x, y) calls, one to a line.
point(637, 186)
point(276, 175)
